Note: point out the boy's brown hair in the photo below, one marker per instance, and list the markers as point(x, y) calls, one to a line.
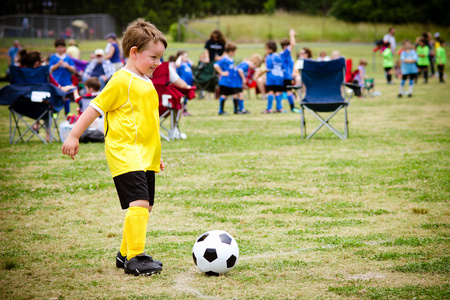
point(285, 42)
point(179, 53)
point(93, 83)
point(138, 34)
point(272, 46)
point(229, 47)
point(60, 42)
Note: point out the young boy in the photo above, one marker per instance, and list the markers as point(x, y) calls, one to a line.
point(388, 62)
point(129, 103)
point(184, 67)
point(441, 60)
point(225, 68)
point(61, 67)
point(288, 65)
point(240, 79)
point(274, 77)
point(409, 67)
point(92, 86)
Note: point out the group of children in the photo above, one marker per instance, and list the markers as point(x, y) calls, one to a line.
point(414, 62)
point(278, 71)
point(233, 79)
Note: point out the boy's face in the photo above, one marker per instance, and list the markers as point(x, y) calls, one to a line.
point(268, 50)
point(60, 49)
point(149, 58)
point(407, 46)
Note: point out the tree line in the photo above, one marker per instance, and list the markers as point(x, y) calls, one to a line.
point(163, 13)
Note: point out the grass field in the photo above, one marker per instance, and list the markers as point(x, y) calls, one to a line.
point(260, 28)
point(364, 218)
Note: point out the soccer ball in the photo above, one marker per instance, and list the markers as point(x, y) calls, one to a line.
point(215, 252)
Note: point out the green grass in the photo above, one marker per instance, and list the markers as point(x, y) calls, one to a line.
point(366, 218)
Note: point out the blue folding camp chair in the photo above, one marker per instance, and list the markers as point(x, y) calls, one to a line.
point(324, 88)
point(31, 95)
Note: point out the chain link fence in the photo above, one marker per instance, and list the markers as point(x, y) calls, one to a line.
point(80, 27)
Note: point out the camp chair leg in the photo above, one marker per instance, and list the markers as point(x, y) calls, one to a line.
point(54, 132)
point(173, 125)
point(29, 128)
point(346, 123)
point(161, 118)
point(303, 125)
point(41, 122)
point(12, 133)
point(324, 122)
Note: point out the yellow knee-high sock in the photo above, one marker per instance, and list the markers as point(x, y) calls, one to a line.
point(123, 245)
point(135, 230)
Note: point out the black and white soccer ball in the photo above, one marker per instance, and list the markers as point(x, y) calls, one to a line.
point(215, 252)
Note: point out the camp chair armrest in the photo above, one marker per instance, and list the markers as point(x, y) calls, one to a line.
point(294, 87)
point(352, 86)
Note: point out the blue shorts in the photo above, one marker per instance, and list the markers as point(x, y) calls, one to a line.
point(132, 186)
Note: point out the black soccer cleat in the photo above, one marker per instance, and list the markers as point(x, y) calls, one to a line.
point(142, 265)
point(120, 261)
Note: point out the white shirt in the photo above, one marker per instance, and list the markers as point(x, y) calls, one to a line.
point(391, 39)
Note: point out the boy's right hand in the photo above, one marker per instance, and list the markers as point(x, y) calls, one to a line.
point(70, 147)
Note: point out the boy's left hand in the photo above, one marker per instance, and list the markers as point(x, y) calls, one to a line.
point(161, 165)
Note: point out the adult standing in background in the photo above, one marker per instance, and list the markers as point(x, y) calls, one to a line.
point(113, 51)
point(390, 38)
point(215, 47)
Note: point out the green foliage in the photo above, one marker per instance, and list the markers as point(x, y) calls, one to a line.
point(270, 6)
point(394, 12)
point(173, 32)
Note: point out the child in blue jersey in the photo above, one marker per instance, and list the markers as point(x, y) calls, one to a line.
point(240, 80)
point(274, 77)
point(184, 67)
point(409, 67)
point(288, 65)
point(61, 67)
point(226, 70)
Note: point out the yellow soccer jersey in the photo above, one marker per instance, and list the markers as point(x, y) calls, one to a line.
point(130, 106)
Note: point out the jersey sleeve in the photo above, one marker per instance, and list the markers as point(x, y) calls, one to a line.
point(112, 96)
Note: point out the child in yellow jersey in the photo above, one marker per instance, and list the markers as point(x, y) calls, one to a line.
point(129, 104)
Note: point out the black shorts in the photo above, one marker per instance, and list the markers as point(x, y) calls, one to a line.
point(227, 91)
point(411, 76)
point(138, 185)
point(387, 69)
point(274, 88)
